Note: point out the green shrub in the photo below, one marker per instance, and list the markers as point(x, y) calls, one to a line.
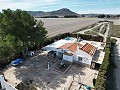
point(113, 41)
point(104, 29)
point(101, 78)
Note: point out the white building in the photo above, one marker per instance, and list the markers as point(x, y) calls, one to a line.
point(86, 52)
point(5, 85)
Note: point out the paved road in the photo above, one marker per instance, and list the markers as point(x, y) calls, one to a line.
point(113, 80)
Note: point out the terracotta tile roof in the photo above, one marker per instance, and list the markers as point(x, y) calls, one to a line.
point(88, 48)
point(69, 46)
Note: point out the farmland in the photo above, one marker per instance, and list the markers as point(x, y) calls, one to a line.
point(116, 21)
point(116, 31)
point(56, 26)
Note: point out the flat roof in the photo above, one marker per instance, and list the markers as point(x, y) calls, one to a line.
point(59, 43)
point(100, 58)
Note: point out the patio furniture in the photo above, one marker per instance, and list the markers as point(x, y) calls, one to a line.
point(62, 64)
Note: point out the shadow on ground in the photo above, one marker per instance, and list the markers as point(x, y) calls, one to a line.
point(34, 71)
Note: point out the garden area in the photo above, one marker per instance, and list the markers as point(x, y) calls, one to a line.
point(91, 33)
point(87, 27)
point(97, 29)
point(104, 29)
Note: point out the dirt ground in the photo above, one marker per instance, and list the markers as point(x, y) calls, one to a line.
point(56, 26)
point(35, 69)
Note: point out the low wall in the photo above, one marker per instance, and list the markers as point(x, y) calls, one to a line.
point(5, 85)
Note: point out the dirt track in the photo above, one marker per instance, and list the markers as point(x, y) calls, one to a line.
point(55, 26)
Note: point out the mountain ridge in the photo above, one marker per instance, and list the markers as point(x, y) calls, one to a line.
point(60, 13)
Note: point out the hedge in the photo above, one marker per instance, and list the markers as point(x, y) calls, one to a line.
point(101, 78)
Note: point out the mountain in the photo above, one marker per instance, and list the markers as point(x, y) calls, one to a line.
point(60, 13)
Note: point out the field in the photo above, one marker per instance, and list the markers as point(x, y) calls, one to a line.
point(104, 29)
point(56, 26)
point(91, 33)
point(116, 31)
point(116, 21)
point(97, 29)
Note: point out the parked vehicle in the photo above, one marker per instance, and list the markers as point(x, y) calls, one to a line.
point(16, 62)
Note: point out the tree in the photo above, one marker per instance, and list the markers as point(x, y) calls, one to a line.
point(107, 16)
point(101, 16)
point(23, 30)
point(70, 16)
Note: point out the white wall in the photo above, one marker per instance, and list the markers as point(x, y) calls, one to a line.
point(6, 85)
point(86, 58)
point(68, 58)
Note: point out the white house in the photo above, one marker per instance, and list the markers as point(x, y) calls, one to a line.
point(74, 51)
point(5, 85)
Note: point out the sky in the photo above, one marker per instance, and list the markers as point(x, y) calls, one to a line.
point(78, 6)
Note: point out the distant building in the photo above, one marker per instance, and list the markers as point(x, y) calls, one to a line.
point(81, 51)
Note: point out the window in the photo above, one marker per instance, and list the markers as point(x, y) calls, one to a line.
point(80, 58)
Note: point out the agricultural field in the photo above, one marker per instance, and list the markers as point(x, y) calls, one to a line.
point(97, 29)
point(56, 26)
point(116, 21)
point(116, 31)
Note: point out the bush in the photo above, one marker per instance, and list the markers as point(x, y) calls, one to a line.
point(101, 78)
point(113, 41)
